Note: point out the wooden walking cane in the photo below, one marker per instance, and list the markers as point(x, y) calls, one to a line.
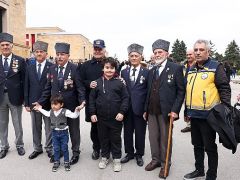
point(168, 146)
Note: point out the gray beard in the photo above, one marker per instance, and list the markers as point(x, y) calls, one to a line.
point(160, 61)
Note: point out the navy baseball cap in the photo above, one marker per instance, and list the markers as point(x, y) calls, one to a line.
point(99, 43)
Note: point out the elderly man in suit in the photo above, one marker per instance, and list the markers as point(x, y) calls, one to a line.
point(35, 81)
point(164, 100)
point(12, 74)
point(63, 79)
point(136, 80)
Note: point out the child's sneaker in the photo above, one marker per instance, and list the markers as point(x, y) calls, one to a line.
point(117, 165)
point(67, 166)
point(103, 163)
point(55, 166)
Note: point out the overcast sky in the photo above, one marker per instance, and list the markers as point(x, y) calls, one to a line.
point(123, 22)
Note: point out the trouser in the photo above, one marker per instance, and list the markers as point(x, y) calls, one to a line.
point(60, 140)
point(94, 137)
point(16, 113)
point(203, 138)
point(158, 136)
point(134, 123)
point(37, 118)
point(110, 137)
point(74, 131)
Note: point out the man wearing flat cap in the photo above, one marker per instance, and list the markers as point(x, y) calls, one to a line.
point(164, 100)
point(35, 81)
point(12, 74)
point(136, 81)
point(63, 79)
point(89, 72)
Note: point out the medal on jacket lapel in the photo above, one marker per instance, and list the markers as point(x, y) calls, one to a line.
point(15, 65)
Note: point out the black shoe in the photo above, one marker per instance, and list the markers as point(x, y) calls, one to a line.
point(3, 153)
point(210, 178)
point(186, 129)
point(20, 151)
point(139, 160)
point(74, 160)
point(194, 174)
point(34, 154)
point(55, 166)
point(51, 159)
point(95, 155)
point(127, 158)
point(67, 166)
point(49, 154)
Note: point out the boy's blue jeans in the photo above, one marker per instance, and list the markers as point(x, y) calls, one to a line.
point(60, 140)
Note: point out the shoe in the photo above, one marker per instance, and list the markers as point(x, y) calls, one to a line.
point(194, 174)
point(51, 159)
point(20, 151)
point(74, 160)
point(139, 160)
point(186, 129)
point(95, 155)
point(117, 165)
point(162, 175)
point(152, 165)
point(55, 166)
point(210, 178)
point(34, 154)
point(3, 153)
point(103, 163)
point(127, 158)
point(49, 154)
point(67, 166)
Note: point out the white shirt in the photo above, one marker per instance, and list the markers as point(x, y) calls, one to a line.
point(136, 72)
point(42, 65)
point(161, 68)
point(68, 113)
point(9, 59)
point(64, 68)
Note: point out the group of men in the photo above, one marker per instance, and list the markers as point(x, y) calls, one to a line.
point(156, 97)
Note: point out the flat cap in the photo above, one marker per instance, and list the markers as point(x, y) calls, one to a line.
point(161, 44)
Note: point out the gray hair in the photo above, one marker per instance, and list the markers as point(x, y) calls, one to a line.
point(206, 42)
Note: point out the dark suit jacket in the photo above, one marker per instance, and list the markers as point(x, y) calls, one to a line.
point(14, 81)
point(33, 86)
point(172, 89)
point(138, 92)
point(73, 94)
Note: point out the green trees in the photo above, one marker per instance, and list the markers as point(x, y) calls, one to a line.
point(232, 54)
point(179, 51)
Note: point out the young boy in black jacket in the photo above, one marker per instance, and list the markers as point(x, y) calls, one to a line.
point(108, 103)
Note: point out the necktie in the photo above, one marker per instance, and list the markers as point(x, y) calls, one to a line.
point(133, 79)
point(6, 66)
point(60, 77)
point(157, 75)
point(39, 71)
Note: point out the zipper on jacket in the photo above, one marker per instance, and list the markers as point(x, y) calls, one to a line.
point(204, 99)
point(192, 90)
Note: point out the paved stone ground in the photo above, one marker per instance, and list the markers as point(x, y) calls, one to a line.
point(21, 168)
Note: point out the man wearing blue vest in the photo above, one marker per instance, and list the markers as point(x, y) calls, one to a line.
point(207, 86)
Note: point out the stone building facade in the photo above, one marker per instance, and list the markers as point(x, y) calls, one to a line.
point(81, 47)
point(13, 21)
